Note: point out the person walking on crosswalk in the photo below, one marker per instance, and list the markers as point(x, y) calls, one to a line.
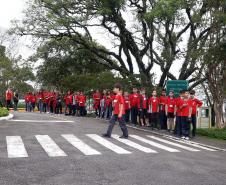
point(118, 113)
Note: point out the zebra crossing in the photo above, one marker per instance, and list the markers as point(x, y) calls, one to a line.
point(147, 144)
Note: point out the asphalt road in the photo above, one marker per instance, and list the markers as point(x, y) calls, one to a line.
point(39, 149)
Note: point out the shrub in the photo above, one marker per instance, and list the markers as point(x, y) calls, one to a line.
point(213, 133)
point(4, 112)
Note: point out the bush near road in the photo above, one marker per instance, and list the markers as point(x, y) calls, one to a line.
point(4, 112)
point(213, 133)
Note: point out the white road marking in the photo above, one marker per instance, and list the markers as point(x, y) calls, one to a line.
point(15, 147)
point(174, 144)
point(51, 148)
point(134, 145)
point(193, 144)
point(108, 144)
point(80, 145)
point(154, 144)
point(42, 121)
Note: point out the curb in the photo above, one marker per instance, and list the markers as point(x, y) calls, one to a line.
point(10, 116)
point(175, 138)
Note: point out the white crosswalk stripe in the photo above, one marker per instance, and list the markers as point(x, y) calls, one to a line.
point(174, 144)
point(80, 145)
point(15, 147)
point(134, 145)
point(193, 144)
point(51, 148)
point(157, 145)
point(108, 144)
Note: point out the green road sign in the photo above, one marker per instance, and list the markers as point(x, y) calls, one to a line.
point(176, 86)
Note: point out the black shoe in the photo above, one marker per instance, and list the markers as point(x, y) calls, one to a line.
point(106, 135)
point(123, 137)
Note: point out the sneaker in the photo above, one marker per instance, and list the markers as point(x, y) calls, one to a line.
point(106, 135)
point(123, 137)
point(182, 137)
point(187, 138)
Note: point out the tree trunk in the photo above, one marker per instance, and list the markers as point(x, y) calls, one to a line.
point(218, 109)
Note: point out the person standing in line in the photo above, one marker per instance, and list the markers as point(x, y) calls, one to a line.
point(162, 111)
point(178, 127)
point(108, 106)
point(73, 106)
point(8, 97)
point(82, 104)
point(134, 103)
point(58, 104)
point(96, 103)
point(15, 100)
point(195, 105)
point(185, 106)
point(40, 98)
point(118, 113)
point(153, 103)
point(127, 107)
point(143, 108)
point(102, 107)
point(170, 111)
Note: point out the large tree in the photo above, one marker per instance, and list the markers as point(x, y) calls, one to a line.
point(162, 32)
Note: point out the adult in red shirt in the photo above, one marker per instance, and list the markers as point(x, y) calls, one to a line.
point(143, 107)
point(127, 106)
point(118, 113)
point(82, 104)
point(96, 102)
point(185, 106)
point(170, 111)
point(134, 103)
point(195, 104)
point(162, 110)
point(153, 103)
point(9, 97)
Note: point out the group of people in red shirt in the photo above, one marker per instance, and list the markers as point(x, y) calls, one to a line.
point(164, 112)
point(52, 102)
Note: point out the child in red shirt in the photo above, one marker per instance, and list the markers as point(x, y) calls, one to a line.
point(143, 107)
point(162, 110)
point(185, 106)
point(195, 104)
point(108, 105)
point(153, 104)
point(118, 113)
point(96, 102)
point(170, 111)
point(82, 104)
point(127, 107)
point(134, 104)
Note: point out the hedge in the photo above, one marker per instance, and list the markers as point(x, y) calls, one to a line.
point(4, 112)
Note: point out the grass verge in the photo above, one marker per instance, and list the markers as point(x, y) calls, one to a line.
point(213, 133)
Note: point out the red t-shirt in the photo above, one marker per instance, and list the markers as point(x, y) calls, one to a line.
point(33, 98)
point(127, 101)
point(195, 103)
point(144, 102)
point(118, 101)
point(185, 110)
point(135, 100)
point(163, 102)
point(108, 101)
point(82, 100)
point(171, 103)
point(26, 98)
point(154, 102)
point(96, 100)
point(9, 95)
point(178, 100)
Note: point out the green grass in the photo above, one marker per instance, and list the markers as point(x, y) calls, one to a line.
point(4, 112)
point(213, 133)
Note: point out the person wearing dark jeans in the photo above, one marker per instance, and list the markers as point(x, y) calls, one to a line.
point(134, 104)
point(195, 104)
point(134, 114)
point(118, 114)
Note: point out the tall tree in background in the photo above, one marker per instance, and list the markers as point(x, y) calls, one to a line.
point(157, 34)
